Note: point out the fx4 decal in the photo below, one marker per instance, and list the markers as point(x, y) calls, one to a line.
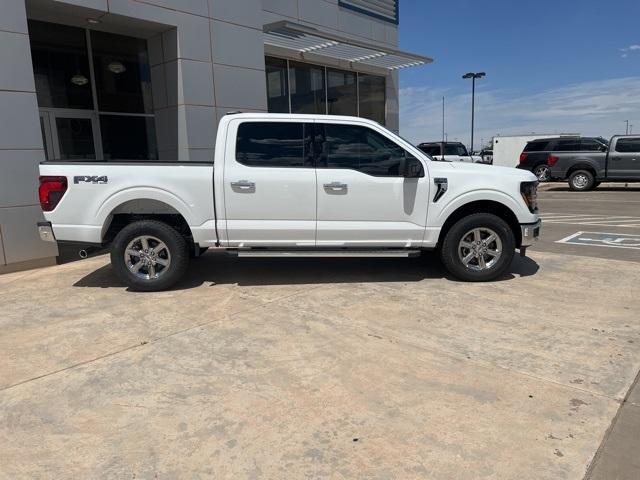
point(90, 179)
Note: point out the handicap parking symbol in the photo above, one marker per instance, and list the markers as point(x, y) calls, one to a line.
point(603, 239)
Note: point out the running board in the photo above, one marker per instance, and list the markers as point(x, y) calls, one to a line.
point(328, 253)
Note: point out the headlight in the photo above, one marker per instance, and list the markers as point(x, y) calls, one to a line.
point(529, 191)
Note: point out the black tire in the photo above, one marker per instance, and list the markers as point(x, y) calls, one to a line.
point(543, 172)
point(452, 250)
point(581, 181)
point(175, 254)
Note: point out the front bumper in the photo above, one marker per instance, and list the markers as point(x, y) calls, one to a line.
point(46, 232)
point(530, 233)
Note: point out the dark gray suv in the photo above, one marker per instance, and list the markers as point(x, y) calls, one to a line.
point(536, 152)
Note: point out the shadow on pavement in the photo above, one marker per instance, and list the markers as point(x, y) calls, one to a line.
point(620, 188)
point(217, 269)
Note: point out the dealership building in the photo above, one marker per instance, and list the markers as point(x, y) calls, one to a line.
point(148, 80)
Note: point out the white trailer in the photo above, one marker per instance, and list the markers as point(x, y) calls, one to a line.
point(507, 148)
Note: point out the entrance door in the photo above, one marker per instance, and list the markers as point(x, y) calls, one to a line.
point(365, 198)
point(624, 160)
point(270, 184)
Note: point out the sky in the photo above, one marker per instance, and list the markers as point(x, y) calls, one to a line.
point(563, 66)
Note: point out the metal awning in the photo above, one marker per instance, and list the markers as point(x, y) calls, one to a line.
point(302, 39)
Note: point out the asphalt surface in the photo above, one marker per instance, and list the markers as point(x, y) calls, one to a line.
point(609, 218)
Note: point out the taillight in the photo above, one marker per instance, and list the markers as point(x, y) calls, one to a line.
point(551, 160)
point(51, 191)
point(523, 157)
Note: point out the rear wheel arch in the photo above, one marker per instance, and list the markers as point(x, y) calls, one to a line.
point(144, 209)
point(483, 206)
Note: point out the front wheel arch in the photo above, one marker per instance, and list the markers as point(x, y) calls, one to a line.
point(483, 206)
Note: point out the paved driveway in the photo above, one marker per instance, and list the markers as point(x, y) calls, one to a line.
point(357, 368)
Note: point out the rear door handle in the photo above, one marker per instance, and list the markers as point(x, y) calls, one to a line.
point(243, 184)
point(335, 186)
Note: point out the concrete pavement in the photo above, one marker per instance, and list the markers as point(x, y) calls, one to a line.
point(295, 368)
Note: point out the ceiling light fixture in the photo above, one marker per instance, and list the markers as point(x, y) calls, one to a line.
point(116, 67)
point(79, 80)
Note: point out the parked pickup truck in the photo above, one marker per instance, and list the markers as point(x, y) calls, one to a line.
point(620, 162)
point(292, 185)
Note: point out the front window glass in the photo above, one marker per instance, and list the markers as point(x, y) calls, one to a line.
point(277, 85)
point(362, 149)
point(60, 66)
point(372, 97)
point(628, 145)
point(274, 144)
point(342, 93)
point(307, 86)
point(123, 79)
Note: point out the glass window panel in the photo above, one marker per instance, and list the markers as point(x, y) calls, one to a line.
point(430, 149)
point(362, 149)
point(75, 138)
point(342, 92)
point(60, 65)
point(277, 85)
point(128, 137)
point(307, 86)
point(372, 97)
point(628, 145)
point(274, 144)
point(123, 78)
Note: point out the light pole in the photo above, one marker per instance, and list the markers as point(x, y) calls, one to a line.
point(627, 130)
point(473, 77)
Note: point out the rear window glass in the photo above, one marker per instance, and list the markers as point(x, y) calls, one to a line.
point(572, 145)
point(273, 144)
point(537, 146)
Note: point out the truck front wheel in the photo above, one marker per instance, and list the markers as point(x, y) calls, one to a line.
point(478, 248)
point(581, 181)
point(149, 255)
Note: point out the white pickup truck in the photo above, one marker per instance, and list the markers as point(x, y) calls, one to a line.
point(292, 185)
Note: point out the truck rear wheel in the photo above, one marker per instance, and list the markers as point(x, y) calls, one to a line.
point(149, 255)
point(581, 181)
point(478, 248)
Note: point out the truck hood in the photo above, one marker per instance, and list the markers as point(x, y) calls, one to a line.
point(493, 171)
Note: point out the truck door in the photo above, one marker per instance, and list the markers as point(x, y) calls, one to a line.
point(366, 198)
point(624, 159)
point(269, 184)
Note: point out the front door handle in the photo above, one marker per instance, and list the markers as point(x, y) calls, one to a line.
point(335, 186)
point(243, 185)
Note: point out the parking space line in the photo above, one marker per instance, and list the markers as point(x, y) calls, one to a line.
point(603, 239)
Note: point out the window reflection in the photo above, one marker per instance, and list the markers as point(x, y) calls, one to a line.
point(277, 85)
point(316, 89)
point(127, 137)
point(307, 86)
point(342, 94)
point(60, 65)
point(121, 67)
point(371, 97)
point(75, 137)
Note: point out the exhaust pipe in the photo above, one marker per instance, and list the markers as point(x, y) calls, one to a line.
point(86, 252)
